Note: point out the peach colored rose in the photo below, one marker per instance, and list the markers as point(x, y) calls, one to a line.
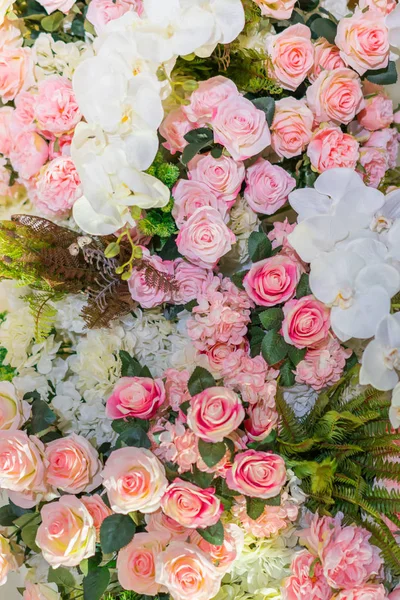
point(6, 119)
point(13, 411)
point(15, 71)
point(363, 40)
point(57, 188)
point(135, 480)
point(277, 9)
point(240, 127)
point(272, 280)
point(56, 108)
point(190, 279)
point(330, 148)
point(301, 585)
point(187, 573)
point(292, 55)
point(8, 562)
point(159, 522)
point(66, 535)
point(375, 162)
point(204, 238)
point(101, 12)
point(257, 474)
point(222, 556)
point(10, 33)
point(191, 195)
point(138, 397)
point(306, 322)
point(97, 509)
point(136, 563)
point(336, 96)
point(73, 464)
point(214, 413)
point(223, 176)
point(377, 114)
point(364, 592)
point(291, 127)
point(39, 591)
point(173, 128)
point(208, 95)
point(190, 505)
point(326, 58)
point(267, 187)
point(29, 153)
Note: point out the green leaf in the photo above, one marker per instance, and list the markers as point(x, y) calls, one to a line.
point(213, 534)
point(52, 22)
point(7, 516)
point(199, 136)
point(296, 354)
point(303, 287)
point(28, 534)
point(273, 347)
point(116, 532)
point(202, 478)
point(96, 583)
point(385, 76)
point(256, 338)
point(62, 577)
point(27, 519)
point(275, 501)
point(254, 507)
point(42, 416)
point(133, 436)
point(211, 453)
point(130, 366)
point(271, 318)
point(260, 246)
point(351, 362)
point(145, 372)
point(200, 380)
point(216, 152)
point(267, 105)
point(32, 395)
point(324, 28)
point(237, 279)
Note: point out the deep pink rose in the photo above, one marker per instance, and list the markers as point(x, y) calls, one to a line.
point(191, 195)
point(292, 55)
point(301, 585)
point(306, 322)
point(57, 187)
point(223, 176)
point(326, 58)
point(267, 187)
point(173, 128)
point(330, 148)
point(56, 108)
point(214, 413)
point(291, 127)
point(208, 95)
point(272, 281)
point(190, 505)
point(336, 96)
point(257, 474)
point(138, 397)
point(377, 114)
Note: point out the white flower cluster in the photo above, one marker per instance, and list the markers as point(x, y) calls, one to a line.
point(51, 57)
point(120, 92)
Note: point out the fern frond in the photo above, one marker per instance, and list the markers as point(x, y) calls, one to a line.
point(291, 429)
point(43, 312)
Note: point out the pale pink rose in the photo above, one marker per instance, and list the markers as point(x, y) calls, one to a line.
point(176, 387)
point(135, 480)
point(330, 148)
point(29, 153)
point(222, 556)
point(136, 563)
point(291, 127)
point(66, 535)
point(223, 176)
point(73, 464)
point(387, 139)
point(39, 591)
point(272, 520)
point(336, 96)
point(138, 397)
point(8, 562)
point(190, 505)
point(191, 195)
point(349, 560)
point(208, 95)
point(6, 119)
point(204, 238)
point(173, 128)
point(218, 354)
point(240, 127)
point(190, 280)
point(262, 419)
point(187, 572)
point(322, 366)
point(215, 413)
point(365, 592)
point(141, 291)
point(395, 594)
point(363, 40)
point(277, 9)
point(257, 474)
point(375, 162)
point(13, 411)
point(159, 522)
point(301, 585)
point(377, 114)
point(57, 187)
point(24, 114)
point(52, 5)
point(101, 12)
point(98, 510)
point(272, 281)
point(56, 108)
point(292, 55)
point(326, 58)
point(15, 71)
point(267, 187)
point(306, 323)
point(383, 6)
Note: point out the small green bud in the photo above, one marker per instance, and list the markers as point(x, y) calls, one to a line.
point(136, 212)
point(137, 252)
point(112, 250)
point(119, 270)
point(190, 85)
point(125, 276)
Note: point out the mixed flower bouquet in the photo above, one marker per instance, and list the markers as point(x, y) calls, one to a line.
point(200, 299)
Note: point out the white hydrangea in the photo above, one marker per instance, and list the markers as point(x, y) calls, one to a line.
point(301, 398)
point(68, 317)
point(52, 57)
point(29, 380)
point(16, 335)
point(43, 354)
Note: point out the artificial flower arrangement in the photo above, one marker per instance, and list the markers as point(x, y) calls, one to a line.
point(200, 299)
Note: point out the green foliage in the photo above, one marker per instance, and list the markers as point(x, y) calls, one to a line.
point(165, 171)
point(158, 222)
point(213, 534)
point(200, 380)
point(260, 246)
point(7, 373)
point(211, 453)
point(43, 311)
point(116, 531)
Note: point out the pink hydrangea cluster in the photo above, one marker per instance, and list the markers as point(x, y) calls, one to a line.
point(323, 366)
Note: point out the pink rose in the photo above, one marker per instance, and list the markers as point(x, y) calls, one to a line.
point(208, 95)
point(267, 187)
point(301, 585)
point(377, 114)
point(52, 5)
point(190, 505)
point(56, 108)
point(187, 573)
point(136, 563)
point(29, 153)
point(365, 592)
point(330, 148)
point(101, 12)
point(322, 366)
point(395, 594)
point(272, 281)
point(306, 322)
point(257, 474)
point(15, 71)
point(215, 413)
point(8, 562)
point(24, 114)
point(135, 480)
point(262, 420)
point(159, 522)
point(326, 58)
point(13, 411)
point(375, 162)
point(57, 187)
point(66, 535)
point(280, 9)
point(138, 397)
point(204, 238)
point(388, 139)
point(336, 96)
point(173, 128)
point(240, 127)
point(363, 40)
point(291, 127)
point(222, 556)
point(191, 195)
point(223, 176)
point(292, 55)
point(190, 280)
point(97, 509)
point(384, 6)
point(142, 290)
point(73, 464)
point(6, 119)
point(40, 591)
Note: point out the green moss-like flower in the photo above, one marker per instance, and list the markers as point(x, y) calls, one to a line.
point(158, 223)
point(168, 173)
point(6, 372)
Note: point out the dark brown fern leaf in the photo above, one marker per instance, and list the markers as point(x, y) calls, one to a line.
point(159, 281)
point(100, 314)
point(46, 230)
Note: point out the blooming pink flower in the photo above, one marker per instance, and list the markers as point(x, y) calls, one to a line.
point(222, 556)
point(336, 96)
point(190, 505)
point(388, 140)
point(320, 532)
point(178, 445)
point(101, 12)
point(176, 388)
point(257, 474)
point(304, 586)
point(208, 95)
point(322, 366)
point(6, 119)
point(214, 413)
point(272, 520)
point(24, 114)
point(377, 114)
point(272, 281)
point(57, 187)
point(375, 162)
point(52, 5)
point(15, 71)
point(395, 594)
point(267, 187)
point(159, 522)
point(292, 55)
point(191, 195)
point(282, 9)
point(251, 377)
point(138, 397)
point(306, 322)
point(190, 280)
point(141, 290)
point(384, 6)
point(56, 108)
point(326, 58)
point(365, 592)
point(8, 561)
point(291, 127)
point(278, 235)
point(262, 419)
point(28, 154)
point(173, 128)
point(223, 176)
point(97, 509)
point(330, 148)
point(39, 591)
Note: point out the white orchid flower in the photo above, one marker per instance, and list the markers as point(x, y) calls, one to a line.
point(381, 357)
point(394, 410)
